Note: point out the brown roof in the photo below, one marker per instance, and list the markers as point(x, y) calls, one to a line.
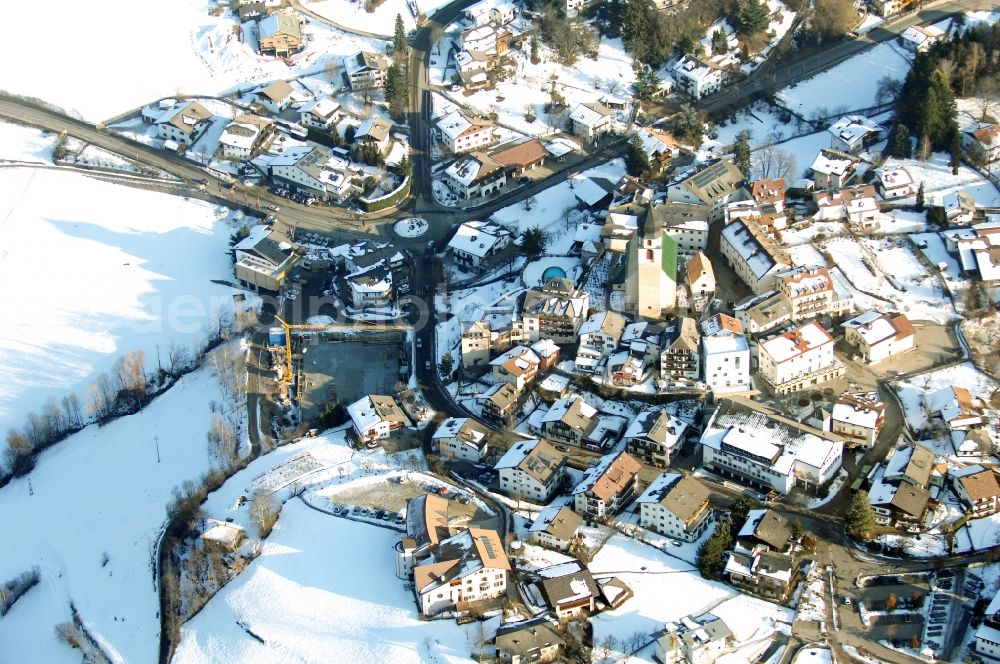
point(686, 498)
point(435, 516)
point(506, 395)
point(564, 524)
point(987, 134)
point(388, 410)
point(277, 91)
point(489, 548)
point(910, 499)
point(698, 265)
point(424, 575)
point(920, 465)
point(768, 191)
point(542, 461)
point(520, 154)
point(903, 326)
point(981, 486)
point(773, 530)
point(619, 474)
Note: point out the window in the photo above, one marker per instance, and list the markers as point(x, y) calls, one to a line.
point(649, 254)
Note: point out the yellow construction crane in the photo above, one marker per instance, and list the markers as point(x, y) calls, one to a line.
point(332, 327)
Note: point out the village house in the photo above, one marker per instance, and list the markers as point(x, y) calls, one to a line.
point(371, 288)
point(856, 204)
point(275, 97)
point(981, 142)
point(887, 8)
point(280, 35)
point(713, 186)
point(956, 407)
point(555, 528)
point(461, 133)
point(374, 416)
point(591, 120)
point(753, 254)
point(555, 311)
point(535, 640)
point(250, 10)
point(686, 223)
point(183, 123)
point(700, 276)
point(599, 337)
point(461, 438)
point(547, 352)
point(752, 444)
point(464, 569)
point(521, 156)
point(858, 417)
point(895, 182)
point(899, 493)
point(987, 635)
point(764, 530)
point(607, 486)
point(959, 208)
point(264, 260)
point(920, 38)
point(696, 77)
point(759, 314)
point(365, 70)
point(833, 169)
point(500, 401)
point(769, 193)
point(853, 133)
point(659, 147)
point(375, 132)
point(811, 292)
point(977, 488)
point(879, 336)
point(569, 589)
point(475, 174)
point(518, 366)
point(770, 575)
point(531, 470)
point(475, 241)
point(654, 437)
point(314, 170)
point(569, 420)
point(797, 359)
point(725, 355)
point(476, 343)
point(320, 113)
point(245, 137)
point(677, 506)
point(680, 359)
point(693, 640)
point(222, 536)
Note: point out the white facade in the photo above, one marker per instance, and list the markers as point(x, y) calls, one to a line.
point(460, 134)
point(530, 469)
point(675, 506)
point(880, 336)
point(754, 257)
point(697, 78)
point(725, 355)
point(794, 354)
point(461, 438)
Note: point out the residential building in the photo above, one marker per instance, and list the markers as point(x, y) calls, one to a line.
point(531, 470)
point(651, 272)
point(887, 8)
point(753, 254)
point(853, 133)
point(810, 292)
point(977, 488)
point(879, 336)
point(694, 640)
point(476, 343)
point(895, 182)
point(375, 132)
point(535, 640)
point(569, 589)
point(764, 530)
point(245, 137)
point(747, 441)
point(696, 77)
point(766, 215)
point(264, 259)
point(555, 311)
point(858, 417)
point(987, 635)
point(798, 358)
point(461, 438)
point(762, 313)
point(502, 14)
point(500, 401)
point(475, 174)
point(856, 204)
point(518, 366)
point(956, 407)
point(475, 241)
point(275, 97)
point(460, 133)
point(659, 147)
point(222, 536)
point(725, 355)
point(466, 568)
point(680, 359)
point(374, 416)
point(833, 169)
point(371, 288)
point(555, 528)
point(249, 11)
point(654, 437)
point(314, 170)
point(521, 156)
point(280, 35)
point(591, 120)
point(599, 337)
point(899, 493)
point(686, 223)
point(183, 123)
point(320, 113)
point(713, 186)
point(365, 70)
point(920, 38)
point(959, 208)
point(981, 142)
point(607, 486)
point(769, 193)
point(700, 276)
point(569, 420)
point(676, 506)
point(769, 575)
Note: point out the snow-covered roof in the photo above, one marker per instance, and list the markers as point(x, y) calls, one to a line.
point(590, 115)
point(695, 69)
point(324, 108)
point(456, 123)
point(658, 426)
point(363, 414)
point(554, 383)
point(469, 168)
point(863, 410)
point(792, 344)
point(874, 327)
point(852, 128)
point(279, 24)
point(748, 245)
point(477, 238)
point(588, 191)
point(829, 162)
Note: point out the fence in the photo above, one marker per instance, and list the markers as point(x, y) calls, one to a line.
point(389, 200)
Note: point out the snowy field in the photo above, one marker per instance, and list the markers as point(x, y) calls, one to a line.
point(159, 54)
point(912, 390)
point(99, 270)
point(322, 585)
point(101, 491)
point(382, 21)
point(938, 180)
point(853, 84)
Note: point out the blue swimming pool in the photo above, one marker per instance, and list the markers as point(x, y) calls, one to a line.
point(554, 272)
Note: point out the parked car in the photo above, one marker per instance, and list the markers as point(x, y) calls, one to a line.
point(273, 208)
point(420, 342)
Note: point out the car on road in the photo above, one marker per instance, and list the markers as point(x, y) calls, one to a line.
point(524, 180)
point(847, 601)
point(273, 208)
point(420, 342)
point(427, 365)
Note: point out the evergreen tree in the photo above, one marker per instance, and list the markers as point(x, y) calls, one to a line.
point(349, 133)
point(899, 142)
point(335, 136)
point(646, 81)
point(689, 125)
point(711, 554)
point(636, 25)
point(396, 93)
point(741, 158)
point(859, 519)
point(740, 508)
point(956, 153)
point(399, 45)
point(754, 17)
point(534, 50)
point(926, 105)
point(636, 161)
point(447, 365)
point(533, 243)
point(920, 196)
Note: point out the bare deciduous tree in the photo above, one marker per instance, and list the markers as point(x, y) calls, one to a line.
point(772, 162)
point(264, 510)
